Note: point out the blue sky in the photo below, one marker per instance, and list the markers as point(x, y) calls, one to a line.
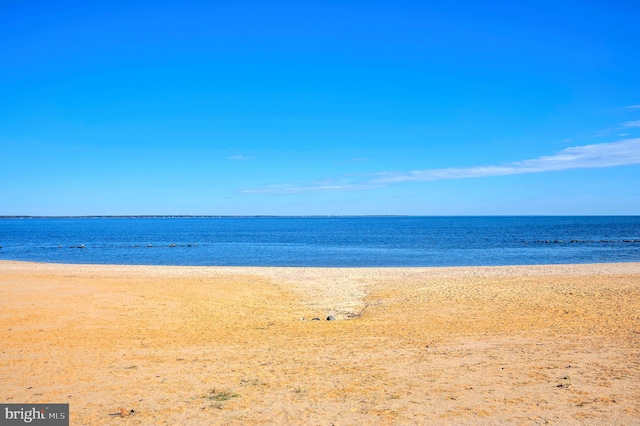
point(327, 107)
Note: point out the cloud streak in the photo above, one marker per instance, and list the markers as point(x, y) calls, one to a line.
point(579, 157)
point(337, 185)
point(621, 153)
point(632, 123)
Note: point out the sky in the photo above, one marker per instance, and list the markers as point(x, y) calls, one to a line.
point(320, 108)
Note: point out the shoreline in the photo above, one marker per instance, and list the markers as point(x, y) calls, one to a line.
point(340, 291)
point(135, 265)
point(463, 345)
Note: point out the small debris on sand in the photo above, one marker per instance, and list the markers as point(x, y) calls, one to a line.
point(122, 412)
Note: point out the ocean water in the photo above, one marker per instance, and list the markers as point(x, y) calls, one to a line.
point(323, 241)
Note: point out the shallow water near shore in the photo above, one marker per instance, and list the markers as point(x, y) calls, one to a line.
point(323, 241)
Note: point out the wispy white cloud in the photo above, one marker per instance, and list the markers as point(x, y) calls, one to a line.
point(633, 107)
point(337, 185)
point(578, 157)
point(632, 123)
point(239, 157)
point(354, 160)
point(624, 152)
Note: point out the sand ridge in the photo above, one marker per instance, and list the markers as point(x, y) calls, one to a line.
point(219, 345)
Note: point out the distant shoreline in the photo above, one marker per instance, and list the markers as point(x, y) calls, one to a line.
point(285, 216)
point(197, 216)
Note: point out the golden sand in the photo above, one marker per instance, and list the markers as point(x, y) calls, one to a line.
point(212, 345)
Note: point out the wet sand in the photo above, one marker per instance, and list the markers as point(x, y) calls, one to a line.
point(216, 345)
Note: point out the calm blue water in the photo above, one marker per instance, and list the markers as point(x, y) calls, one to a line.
point(339, 241)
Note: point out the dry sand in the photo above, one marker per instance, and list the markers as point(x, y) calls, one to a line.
point(212, 345)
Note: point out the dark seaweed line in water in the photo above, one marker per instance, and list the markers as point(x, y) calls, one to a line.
point(82, 246)
point(584, 241)
point(172, 245)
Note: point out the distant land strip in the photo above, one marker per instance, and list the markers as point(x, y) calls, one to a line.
point(150, 216)
point(178, 216)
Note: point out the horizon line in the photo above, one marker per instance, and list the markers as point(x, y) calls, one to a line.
point(151, 216)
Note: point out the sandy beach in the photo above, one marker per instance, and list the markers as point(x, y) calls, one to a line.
point(219, 345)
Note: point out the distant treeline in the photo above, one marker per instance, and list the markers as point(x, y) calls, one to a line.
point(184, 216)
